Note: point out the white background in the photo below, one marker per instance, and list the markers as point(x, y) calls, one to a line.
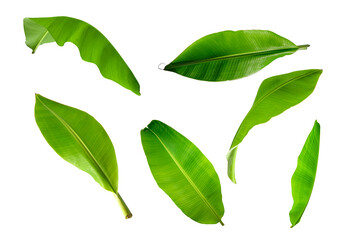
point(44, 197)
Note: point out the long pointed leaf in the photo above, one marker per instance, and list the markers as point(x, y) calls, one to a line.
point(275, 95)
point(231, 55)
point(80, 140)
point(302, 182)
point(93, 46)
point(183, 173)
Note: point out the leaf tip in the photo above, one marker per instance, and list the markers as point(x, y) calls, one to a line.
point(317, 125)
point(39, 97)
point(294, 223)
point(153, 122)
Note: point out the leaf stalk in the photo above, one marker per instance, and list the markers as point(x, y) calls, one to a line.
point(303, 47)
point(123, 206)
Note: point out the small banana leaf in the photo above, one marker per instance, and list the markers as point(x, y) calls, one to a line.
point(80, 140)
point(302, 182)
point(231, 55)
point(275, 95)
point(93, 46)
point(183, 173)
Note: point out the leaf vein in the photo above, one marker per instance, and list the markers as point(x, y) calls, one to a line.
point(189, 179)
point(239, 55)
point(265, 96)
point(81, 143)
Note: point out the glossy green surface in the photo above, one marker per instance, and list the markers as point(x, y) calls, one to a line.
point(80, 140)
point(302, 182)
point(183, 173)
point(93, 46)
point(231, 55)
point(275, 95)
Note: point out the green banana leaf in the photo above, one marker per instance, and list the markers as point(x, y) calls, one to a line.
point(275, 95)
point(302, 182)
point(231, 55)
point(93, 46)
point(183, 173)
point(80, 140)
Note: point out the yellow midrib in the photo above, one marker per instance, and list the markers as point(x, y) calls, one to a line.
point(188, 178)
point(268, 94)
point(238, 55)
point(41, 39)
point(81, 143)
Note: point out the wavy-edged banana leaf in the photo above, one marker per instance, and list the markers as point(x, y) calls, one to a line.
point(302, 181)
point(80, 140)
point(183, 173)
point(92, 44)
point(275, 95)
point(231, 55)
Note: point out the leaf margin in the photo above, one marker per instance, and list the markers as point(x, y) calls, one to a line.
point(314, 135)
point(130, 77)
point(114, 189)
point(285, 50)
point(231, 155)
point(209, 205)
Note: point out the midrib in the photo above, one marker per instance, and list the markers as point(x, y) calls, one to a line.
point(265, 96)
point(255, 53)
point(40, 41)
point(188, 178)
point(81, 143)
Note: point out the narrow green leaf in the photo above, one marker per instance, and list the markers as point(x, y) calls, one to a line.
point(183, 173)
point(275, 95)
point(93, 46)
point(302, 182)
point(80, 140)
point(231, 55)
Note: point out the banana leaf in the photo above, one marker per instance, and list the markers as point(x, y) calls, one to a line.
point(231, 55)
point(275, 95)
point(183, 172)
point(302, 182)
point(80, 140)
point(92, 44)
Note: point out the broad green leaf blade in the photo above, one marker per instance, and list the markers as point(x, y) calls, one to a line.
point(93, 46)
point(302, 182)
point(80, 140)
point(231, 55)
point(183, 173)
point(275, 95)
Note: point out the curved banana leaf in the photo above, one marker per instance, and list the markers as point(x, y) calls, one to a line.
point(231, 55)
point(80, 140)
point(302, 182)
point(93, 46)
point(275, 95)
point(183, 173)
